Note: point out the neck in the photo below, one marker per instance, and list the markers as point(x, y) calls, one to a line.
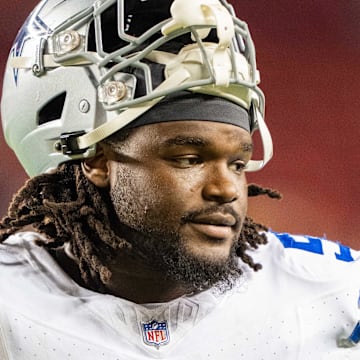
point(131, 279)
point(139, 283)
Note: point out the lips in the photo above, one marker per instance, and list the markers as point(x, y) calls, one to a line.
point(215, 226)
point(215, 219)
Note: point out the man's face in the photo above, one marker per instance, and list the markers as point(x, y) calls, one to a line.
point(180, 190)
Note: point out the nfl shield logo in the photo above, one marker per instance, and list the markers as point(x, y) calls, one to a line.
point(156, 333)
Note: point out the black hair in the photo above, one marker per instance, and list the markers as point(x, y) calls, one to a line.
point(67, 208)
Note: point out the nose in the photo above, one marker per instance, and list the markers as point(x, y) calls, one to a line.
point(221, 185)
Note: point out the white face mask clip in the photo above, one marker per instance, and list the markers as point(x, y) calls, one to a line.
point(201, 16)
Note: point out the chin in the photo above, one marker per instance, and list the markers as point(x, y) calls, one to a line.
point(200, 269)
point(212, 251)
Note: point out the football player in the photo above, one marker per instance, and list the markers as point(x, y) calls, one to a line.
point(134, 120)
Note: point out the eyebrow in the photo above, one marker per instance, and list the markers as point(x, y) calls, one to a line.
point(197, 141)
point(186, 140)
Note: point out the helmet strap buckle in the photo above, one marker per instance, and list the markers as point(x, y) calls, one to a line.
point(68, 144)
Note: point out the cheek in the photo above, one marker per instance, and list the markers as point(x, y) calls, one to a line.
point(144, 198)
point(129, 196)
point(242, 201)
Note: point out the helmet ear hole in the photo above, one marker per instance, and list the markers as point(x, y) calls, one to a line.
point(52, 110)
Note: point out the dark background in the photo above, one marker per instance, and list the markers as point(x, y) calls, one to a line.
point(308, 54)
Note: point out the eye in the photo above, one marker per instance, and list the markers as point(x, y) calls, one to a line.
point(238, 166)
point(187, 161)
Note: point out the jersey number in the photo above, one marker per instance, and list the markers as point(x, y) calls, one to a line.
point(314, 245)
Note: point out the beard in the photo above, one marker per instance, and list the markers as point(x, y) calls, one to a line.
point(166, 253)
point(157, 242)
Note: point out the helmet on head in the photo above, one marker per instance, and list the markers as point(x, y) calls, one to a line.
point(80, 70)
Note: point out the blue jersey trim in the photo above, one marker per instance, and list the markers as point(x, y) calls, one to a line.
point(314, 245)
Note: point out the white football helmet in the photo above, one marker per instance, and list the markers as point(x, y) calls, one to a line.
point(80, 70)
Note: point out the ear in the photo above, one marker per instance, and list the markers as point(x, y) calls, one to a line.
point(97, 169)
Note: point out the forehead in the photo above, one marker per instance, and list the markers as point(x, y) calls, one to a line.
point(201, 132)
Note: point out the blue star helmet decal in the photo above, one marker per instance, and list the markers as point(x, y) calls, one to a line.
point(34, 27)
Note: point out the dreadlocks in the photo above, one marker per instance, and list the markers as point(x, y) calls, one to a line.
point(67, 208)
point(65, 205)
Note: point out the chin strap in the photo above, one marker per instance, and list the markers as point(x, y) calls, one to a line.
point(87, 140)
point(255, 165)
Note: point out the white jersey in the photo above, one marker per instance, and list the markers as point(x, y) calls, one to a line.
point(296, 308)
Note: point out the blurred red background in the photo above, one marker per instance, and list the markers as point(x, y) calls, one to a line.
point(308, 55)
